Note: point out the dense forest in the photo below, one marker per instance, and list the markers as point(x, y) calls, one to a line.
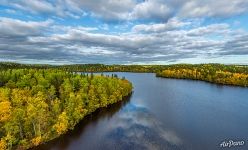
point(214, 73)
point(37, 105)
point(125, 68)
point(87, 67)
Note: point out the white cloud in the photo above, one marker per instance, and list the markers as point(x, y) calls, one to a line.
point(160, 27)
point(213, 8)
point(210, 29)
point(34, 6)
point(151, 9)
point(13, 27)
point(105, 9)
point(44, 40)
point(122, 10)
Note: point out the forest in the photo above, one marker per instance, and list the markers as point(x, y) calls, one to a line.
point(37, 105)
point(86, 67)
point(125, 68)
point(214, 73)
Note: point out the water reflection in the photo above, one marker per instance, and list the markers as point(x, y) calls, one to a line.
point(133, 127)
point(136, 128)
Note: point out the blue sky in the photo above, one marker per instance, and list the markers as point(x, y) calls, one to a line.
point(124, 31)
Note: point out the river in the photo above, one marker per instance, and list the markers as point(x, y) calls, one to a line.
point(167, 114)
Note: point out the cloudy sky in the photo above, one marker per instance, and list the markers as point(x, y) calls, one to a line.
point(124, 31)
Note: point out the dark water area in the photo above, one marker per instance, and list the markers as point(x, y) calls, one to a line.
point(164, 114)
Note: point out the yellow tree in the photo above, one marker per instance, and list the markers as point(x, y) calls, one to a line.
point(3, 144)
point(62, 124)
point(5, 111)
point(37, 112)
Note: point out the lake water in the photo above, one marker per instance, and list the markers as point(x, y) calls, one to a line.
point(167, 114)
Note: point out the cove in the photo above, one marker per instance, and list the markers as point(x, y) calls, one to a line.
point(163, 114)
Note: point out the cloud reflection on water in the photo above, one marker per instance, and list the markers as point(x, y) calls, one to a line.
point(136, 128)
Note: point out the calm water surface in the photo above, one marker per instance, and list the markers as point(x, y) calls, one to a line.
point(166, 114)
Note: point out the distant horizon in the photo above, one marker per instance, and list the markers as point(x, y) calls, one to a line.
point(119, 64)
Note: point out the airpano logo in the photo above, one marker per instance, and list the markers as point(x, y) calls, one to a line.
point(231, 143)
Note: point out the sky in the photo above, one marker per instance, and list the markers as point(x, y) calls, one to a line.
point(124, 31)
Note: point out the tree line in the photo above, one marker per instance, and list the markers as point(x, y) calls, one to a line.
point(86, 67)
point(214, 73)
point(37, 105)
point(123, 68)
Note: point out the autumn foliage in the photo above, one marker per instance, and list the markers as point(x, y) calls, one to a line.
point(37, 105)
point(220, 74)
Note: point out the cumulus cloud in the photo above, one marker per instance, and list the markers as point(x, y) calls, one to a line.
point(14, 27)
point(45, 40)
point(210, 29)
point(237, 46)
point(109, 10)
point(35, 6)
point(124, 10)
point(160, 27)
point(213, 8)
point(151, 9)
